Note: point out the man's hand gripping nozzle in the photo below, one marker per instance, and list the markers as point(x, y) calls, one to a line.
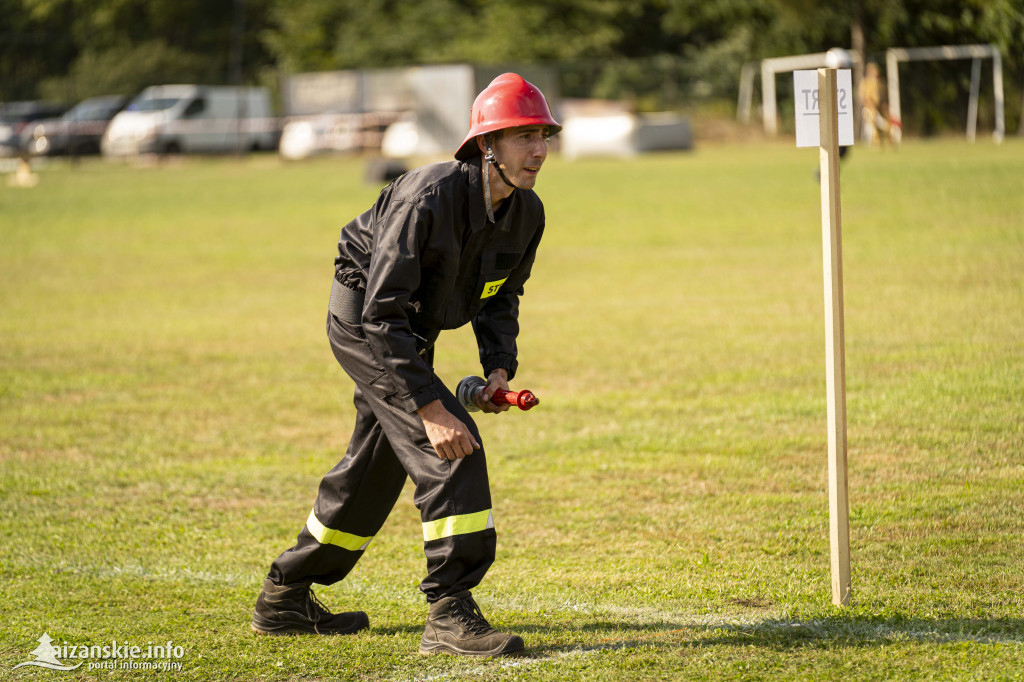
point(471, 386)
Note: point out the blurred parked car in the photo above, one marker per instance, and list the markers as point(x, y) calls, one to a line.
point(79, 131)
point(14, 116)
point(304, 136)
point(185, 119)
point(308, 135)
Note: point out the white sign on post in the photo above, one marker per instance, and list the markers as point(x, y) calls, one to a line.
point(805, 93)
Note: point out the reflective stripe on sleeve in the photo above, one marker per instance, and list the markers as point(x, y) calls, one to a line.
point(457, 525)
point(329, 536)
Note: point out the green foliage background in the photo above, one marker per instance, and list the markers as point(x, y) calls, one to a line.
point(69, 49)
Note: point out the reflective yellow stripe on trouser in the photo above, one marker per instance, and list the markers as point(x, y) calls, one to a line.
point(457, 525)
point(329, 536)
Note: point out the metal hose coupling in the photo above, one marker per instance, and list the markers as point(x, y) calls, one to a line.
point(470, 387)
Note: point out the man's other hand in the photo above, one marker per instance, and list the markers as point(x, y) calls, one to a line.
point(450, 437)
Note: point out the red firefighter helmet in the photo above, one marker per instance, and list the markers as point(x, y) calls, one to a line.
point(509, 101)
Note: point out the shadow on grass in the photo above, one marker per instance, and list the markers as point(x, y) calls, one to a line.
point(867, 631)
point(781, 633)
point(778, 632)
point(397, 630)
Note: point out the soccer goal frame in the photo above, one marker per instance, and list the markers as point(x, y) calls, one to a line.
point(895, 55)
point(770, 68)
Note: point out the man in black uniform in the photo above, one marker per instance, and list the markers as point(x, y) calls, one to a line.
point(444, 245)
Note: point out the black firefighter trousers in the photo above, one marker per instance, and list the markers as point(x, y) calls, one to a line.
point(355, 497)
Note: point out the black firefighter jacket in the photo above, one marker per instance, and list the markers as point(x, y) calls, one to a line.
point(428, 259)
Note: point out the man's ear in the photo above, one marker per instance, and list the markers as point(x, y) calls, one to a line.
point(481, 142)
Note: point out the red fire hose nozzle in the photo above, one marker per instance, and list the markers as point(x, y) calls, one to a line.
point(524, 400)
point(471, 386)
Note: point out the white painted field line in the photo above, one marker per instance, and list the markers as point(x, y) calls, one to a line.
point(524, 662)
point(559, 656)
point(818, 628)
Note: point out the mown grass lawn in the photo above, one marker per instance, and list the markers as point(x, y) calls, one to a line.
point(168, 404)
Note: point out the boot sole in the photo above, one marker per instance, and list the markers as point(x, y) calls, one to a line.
point(289, 629)
point(510, 649)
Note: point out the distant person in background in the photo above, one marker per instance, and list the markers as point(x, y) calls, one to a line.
point(875, 124)
point(446, 244)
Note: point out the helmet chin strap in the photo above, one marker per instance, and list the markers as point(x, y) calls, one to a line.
point(489, 159)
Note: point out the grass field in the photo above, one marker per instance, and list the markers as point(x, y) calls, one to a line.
point(168, 404)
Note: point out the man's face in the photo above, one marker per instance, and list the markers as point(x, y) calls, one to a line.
point(522, 152)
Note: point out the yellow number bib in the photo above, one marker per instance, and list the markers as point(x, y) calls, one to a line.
point(491, 288)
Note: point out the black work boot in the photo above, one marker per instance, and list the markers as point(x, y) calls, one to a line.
point(456, 626)
point(294, 609)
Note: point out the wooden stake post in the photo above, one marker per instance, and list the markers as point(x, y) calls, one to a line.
point(835, 348)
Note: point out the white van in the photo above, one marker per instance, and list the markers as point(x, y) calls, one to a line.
point(176, 119)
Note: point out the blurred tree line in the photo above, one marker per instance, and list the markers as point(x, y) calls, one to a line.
point(658, 53)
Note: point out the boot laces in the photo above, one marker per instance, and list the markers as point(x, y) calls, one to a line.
point(467, 614)
point(315, 608)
